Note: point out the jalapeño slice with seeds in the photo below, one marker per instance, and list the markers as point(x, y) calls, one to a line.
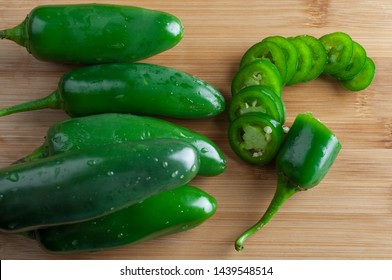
point(269, 51)
point(258, 72)
point(257, 99)
point(255, 138)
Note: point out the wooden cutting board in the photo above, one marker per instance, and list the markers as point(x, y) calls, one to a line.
point(348, 216)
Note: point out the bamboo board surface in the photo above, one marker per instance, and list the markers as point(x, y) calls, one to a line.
point(348, 216)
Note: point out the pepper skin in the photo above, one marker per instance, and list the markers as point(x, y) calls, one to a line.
point(136, 88)
point(169, 212)
point(98, 130)
point(88, 183)
point(303, 161)
point(95, 33)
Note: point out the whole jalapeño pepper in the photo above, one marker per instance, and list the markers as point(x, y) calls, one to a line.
point(168, 212)
point(105, 129)
point(136, 88)
point(95, 33)
point(89, 183)
point(303, 161)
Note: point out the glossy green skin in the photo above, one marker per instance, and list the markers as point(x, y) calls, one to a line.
point(96, 33)
point(257, 99)
point(85, 184)
point(98, 130)
point(169, 212)
point(257, 121)
point(138, 88)
point(308, 152)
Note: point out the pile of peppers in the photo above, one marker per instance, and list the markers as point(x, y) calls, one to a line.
point(304, 153)
point(113, 174)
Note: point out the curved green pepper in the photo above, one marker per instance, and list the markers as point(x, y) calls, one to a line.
point(136, 88)
point(169, 212)
point(303, 161)
point(95, 33)
point(88, 183)
point(98, 130)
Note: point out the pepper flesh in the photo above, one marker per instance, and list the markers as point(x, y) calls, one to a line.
point(169, 212)
point(95, 33)
point(137, 88)
point(88, 183)
point(105, 129)
point(303, 161)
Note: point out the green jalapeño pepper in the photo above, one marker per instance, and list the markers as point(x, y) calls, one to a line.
point(255, 137)
point(104, 129)
point(169, 212)
point(95, 33)
point(88, 183)
point(136, 88)
point(303, 161)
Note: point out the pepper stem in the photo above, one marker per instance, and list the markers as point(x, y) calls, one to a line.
point(16, 34)
point(51, 101)
point(283, 192)
point(39, 153)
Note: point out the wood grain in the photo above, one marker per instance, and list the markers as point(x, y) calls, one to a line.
point(348, 216)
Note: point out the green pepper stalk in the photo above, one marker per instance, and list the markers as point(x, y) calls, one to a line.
point(302, 162)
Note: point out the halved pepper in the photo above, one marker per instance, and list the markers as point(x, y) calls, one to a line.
point(304, 159)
